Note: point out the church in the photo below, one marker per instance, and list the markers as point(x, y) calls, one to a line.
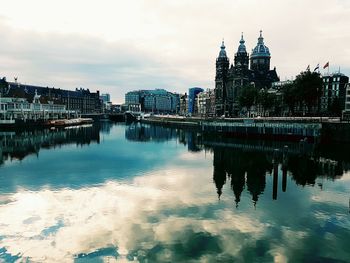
point(230, 79)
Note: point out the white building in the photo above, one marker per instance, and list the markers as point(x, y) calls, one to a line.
point(12, 109)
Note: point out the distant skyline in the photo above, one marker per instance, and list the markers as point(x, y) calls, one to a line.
point(118, 46)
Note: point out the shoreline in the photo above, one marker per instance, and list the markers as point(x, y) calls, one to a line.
point(323, 129)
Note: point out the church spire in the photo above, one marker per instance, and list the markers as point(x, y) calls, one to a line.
point(222, 53)
point(260, 39)
point(241, 47)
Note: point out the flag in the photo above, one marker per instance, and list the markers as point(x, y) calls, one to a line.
point(317, 67)
point(326, 65)
point(308, 68)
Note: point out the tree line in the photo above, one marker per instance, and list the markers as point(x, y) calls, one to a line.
point(301, 95)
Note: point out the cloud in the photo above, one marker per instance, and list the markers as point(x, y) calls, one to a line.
point(69, 61)
point(119, 46)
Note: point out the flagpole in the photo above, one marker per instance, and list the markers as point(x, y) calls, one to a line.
point(328, 68)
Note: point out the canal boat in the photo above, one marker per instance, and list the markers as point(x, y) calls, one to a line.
point(69, 122)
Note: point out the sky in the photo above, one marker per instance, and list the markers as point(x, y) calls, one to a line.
point(117, 46)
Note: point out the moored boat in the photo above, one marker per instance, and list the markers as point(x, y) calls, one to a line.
point(69, 122)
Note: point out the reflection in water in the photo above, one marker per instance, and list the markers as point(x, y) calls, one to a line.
point(19, 144)
point(246, 163)
point(155, 201)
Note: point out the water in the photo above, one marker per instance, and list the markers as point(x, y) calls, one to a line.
point(111, 193)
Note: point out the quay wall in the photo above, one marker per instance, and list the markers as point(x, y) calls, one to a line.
point(313, 129)
point(336, 132)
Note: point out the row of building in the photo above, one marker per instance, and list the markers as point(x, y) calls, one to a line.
point(81, 101)
point(159, 101)
point(255, 69)
point(203, 103)
point(231, 79)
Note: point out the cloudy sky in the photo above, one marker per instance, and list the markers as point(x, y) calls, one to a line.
point(118, 46)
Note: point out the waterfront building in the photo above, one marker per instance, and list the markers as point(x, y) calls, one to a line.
point(3, 86)
point(192, 100)
point(202, 103)
point(211, 103)
point(106, 102)
point(116, 108)
point(105, 97)
point(157, 101)
point(206, 103)
point(346, 111)
point(15, 110)
point(133, 97)
point(230, 79)
point(134, 107)
point(183, 104)
point(80, 100)
point(332, 100)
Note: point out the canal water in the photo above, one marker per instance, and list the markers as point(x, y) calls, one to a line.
point(119, 193)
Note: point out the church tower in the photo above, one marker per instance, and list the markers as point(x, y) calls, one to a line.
point(222, 65)
point(241, 57)
point(260, 65)
point(260, 57)
point(240, 75)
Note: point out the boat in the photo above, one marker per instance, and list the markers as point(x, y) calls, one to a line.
point(69, 122)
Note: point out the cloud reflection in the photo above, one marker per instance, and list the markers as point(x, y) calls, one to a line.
point(168, 215)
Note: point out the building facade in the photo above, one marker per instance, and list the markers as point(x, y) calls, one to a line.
point(206, 103)
point(333, 96)
point(183, 104)
point(81, 100)
point(346, 111)
point(231, 79)
point(157, 101)
point(192, 100)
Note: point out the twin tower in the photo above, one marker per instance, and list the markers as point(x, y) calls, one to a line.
point(230, 79)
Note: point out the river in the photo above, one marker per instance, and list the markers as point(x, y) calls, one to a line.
point(115, 192)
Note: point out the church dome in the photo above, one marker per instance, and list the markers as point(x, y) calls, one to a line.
point(241, 47)
point(261, 50)
point(222, 53)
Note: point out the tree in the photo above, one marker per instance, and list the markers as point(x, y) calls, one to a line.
point(291, 96)
point(248, 97)
point(335, 107)
point(309, 85)
point(266, 100)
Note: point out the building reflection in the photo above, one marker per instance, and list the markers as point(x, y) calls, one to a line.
point(242, 169)
point(246, 164)
point(146, 132)
point(17, 145)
